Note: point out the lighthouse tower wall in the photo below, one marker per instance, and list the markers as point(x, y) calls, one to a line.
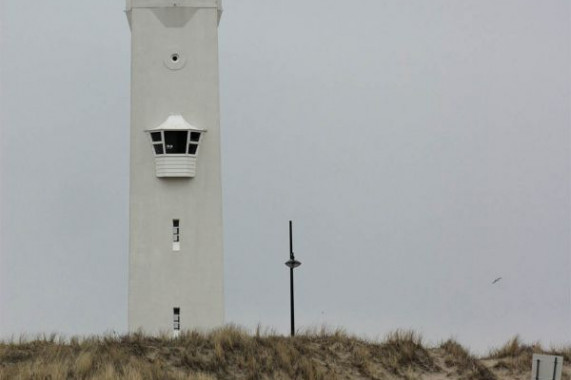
point(174, 70)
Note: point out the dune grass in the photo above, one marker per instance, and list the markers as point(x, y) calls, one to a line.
point(231, 352)
point(515, 356)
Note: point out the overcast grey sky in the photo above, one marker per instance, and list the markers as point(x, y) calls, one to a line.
point(421, 148)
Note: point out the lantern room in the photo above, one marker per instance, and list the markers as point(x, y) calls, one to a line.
point(175, 146)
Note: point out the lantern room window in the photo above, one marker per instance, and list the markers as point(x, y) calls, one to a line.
point(175, 145)
point(175, 142)
point(156, 137)
point(194, 136)
point(158, 148)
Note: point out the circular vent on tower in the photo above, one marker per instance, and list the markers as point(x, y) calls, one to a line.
point(175, 60)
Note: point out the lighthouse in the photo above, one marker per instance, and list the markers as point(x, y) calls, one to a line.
point(175, 234)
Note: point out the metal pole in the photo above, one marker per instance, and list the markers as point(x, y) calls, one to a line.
point(292, 263)
point(291, 281)
point(291, 301)
point(290, 241)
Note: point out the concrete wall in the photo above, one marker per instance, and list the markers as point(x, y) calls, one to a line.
point(160, 278)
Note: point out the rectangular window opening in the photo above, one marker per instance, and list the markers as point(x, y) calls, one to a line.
point(156, 136)
point(175, 142)
point(176, 235)
point(194, 136)
point(176, 321)
point(158, 148)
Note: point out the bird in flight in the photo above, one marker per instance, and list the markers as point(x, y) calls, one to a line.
point(496, 280)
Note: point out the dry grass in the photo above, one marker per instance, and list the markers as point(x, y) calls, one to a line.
point(232, 353)
point(465, 365)
point(515, 357)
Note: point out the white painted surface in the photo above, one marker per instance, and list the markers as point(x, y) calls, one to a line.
point(175, 165)
point(550, 367)
point(176, 123)
point(193, 279)
point(173, 3)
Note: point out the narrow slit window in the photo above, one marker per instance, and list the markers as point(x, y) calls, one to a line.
point(192, 148)
point(176, 235)
point(176, 321)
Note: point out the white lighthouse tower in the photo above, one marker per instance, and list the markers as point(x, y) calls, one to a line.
point(176, 257)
